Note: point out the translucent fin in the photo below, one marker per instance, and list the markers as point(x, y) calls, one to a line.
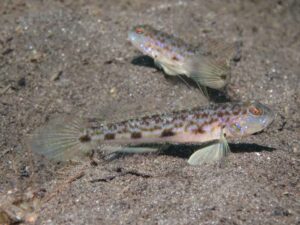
point(208, 71)
point(172, 69)
point(211, 153)
point(184, 81)
point(203, 90)
point(179, 71)
point(60, 140)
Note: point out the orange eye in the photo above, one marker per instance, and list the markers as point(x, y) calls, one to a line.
point(139, 30)
point(255, 111)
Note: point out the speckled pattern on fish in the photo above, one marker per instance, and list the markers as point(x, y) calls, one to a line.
point(176, 57)
point(65, 138)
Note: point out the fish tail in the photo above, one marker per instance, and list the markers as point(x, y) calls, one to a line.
point(61, 139)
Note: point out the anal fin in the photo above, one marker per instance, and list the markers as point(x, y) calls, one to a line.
point(171, 69)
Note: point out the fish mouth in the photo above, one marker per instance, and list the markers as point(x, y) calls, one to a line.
point(132, 37)
point(268, 118)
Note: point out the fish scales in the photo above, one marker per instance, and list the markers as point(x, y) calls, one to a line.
point(159, 44)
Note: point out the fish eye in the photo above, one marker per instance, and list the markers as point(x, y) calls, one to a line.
point(255, 111)
point(139, 30)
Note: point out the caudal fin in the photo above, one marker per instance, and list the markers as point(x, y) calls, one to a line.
point(61, 139)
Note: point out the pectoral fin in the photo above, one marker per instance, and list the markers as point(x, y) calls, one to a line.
point(211, 66)
point(208, 71)
point(210, 154)
point(171, 69)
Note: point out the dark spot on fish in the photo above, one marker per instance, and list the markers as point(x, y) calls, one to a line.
point(175, 58)
point(85, 138)
point(157, 119)
point(236, 110)
point(178, 125)
point(204, 115)
point(147, 45)
point(160, 38)
point(112, 126)
point(210, 121)
point(109, 136)
point(146, 123)
point(136, 135)
point(226, 113)
point(124, 129)
point(189, 127)
point(197, 115)
point(184, 111)
point(146, 118)
point(235, 113)
point(223, 76)
point(167, 133)
point(224, 107)
point(220, 114)
point(215, 117)
point(205, 123)
point(166, 47)
point(200, 130)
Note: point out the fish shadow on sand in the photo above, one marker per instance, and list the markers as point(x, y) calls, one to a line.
point(143, 60)
point(241, 148)
point(186, 151)
point(214, 95)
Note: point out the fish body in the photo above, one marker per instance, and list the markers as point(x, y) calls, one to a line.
point(62, 139)
point(176, 57)
point(161, 46)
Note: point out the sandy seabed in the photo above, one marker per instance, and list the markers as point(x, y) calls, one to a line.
point(73, 57)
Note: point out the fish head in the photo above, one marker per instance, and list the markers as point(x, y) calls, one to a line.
point(140, 35)
point(253, 118)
